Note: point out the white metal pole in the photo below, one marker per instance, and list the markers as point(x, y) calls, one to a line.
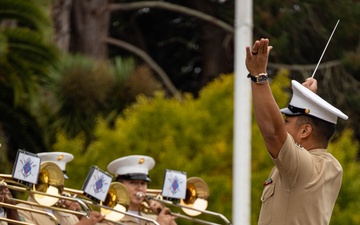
point(241, 205)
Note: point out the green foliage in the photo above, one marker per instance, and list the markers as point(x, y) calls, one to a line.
point(26, 13)
point(123, 67)
point(4, 162)
point(25, 58)
point(81, 87)
point(345, 150)
point(25, 63)
point(25, 54)
point(177, 134)
point(299, 30)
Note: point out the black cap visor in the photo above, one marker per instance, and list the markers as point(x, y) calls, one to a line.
point(294, 111)
point(134, 176)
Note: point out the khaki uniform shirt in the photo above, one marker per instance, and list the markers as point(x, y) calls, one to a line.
point(3, 222)
point(40, 219)
point(130, 220)
point(302, 187)
point(2, 215)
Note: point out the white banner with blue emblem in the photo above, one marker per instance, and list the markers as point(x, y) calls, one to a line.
point(97, 184)
point(26, 168)
point(174, 186)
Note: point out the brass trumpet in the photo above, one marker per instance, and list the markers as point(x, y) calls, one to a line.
point(116, 203)
point(51, 185)
point(15, 221)
point(195, 202)
point(47, 192)
point(6, 205)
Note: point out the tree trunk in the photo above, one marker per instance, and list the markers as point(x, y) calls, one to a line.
point(61, 10)
point(90, 22)
point(217, 50)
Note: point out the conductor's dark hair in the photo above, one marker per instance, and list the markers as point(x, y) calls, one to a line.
point(323, 130)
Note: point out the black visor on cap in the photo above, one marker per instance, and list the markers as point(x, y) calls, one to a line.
point(294, 111)
point(134, 176)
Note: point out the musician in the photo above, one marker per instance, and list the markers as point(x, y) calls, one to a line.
point(9, 213)
point(61, 159)
point(133, 172)
point(303, 186)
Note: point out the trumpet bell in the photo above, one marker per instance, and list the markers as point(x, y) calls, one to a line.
point(197, 194)
point(117, 198)
point(50, 181)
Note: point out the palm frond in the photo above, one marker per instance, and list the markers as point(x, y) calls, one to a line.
point(31, 46)
point(26, 62)
point(81, 87)
point(123, 67)
point(25, 13)
point(21, 127)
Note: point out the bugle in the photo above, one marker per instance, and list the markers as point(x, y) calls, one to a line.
point(115, 205)
point(6, 205)
point(116, 196)
point(195, 202)
point(51, 185)
point(47, 191)
point(85, 213)
point(10, 221)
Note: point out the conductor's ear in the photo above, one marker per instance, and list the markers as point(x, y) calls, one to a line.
point(306, 131)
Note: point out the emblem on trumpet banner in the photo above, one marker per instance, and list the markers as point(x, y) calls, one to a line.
point(97, 184)
point(26, 167)
point(174, 184)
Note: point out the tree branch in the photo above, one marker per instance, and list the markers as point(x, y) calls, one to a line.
point(144, 56)
point(307, 67)
point(173, 7)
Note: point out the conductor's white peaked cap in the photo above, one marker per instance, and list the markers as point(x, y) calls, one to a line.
point(133, 166)
point(306, 102)
point(59, 158)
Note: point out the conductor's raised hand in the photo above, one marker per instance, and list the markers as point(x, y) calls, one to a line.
point(257, 57)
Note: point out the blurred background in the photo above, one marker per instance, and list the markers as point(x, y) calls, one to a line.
point(104, 79)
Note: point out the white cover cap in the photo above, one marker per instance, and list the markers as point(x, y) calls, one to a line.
point(59, 158)
point(132, 165)
point(306, 102)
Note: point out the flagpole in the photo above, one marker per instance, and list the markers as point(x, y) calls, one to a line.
point(241, 202)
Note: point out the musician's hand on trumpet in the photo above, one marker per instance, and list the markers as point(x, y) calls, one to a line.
point(164, 214)
point(6, 197)
point(73, 205)
point(70, 205)
point(94, 218)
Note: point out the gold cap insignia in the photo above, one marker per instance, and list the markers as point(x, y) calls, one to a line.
point(60, 157)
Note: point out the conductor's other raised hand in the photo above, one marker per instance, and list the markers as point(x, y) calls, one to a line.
point(311, 84)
